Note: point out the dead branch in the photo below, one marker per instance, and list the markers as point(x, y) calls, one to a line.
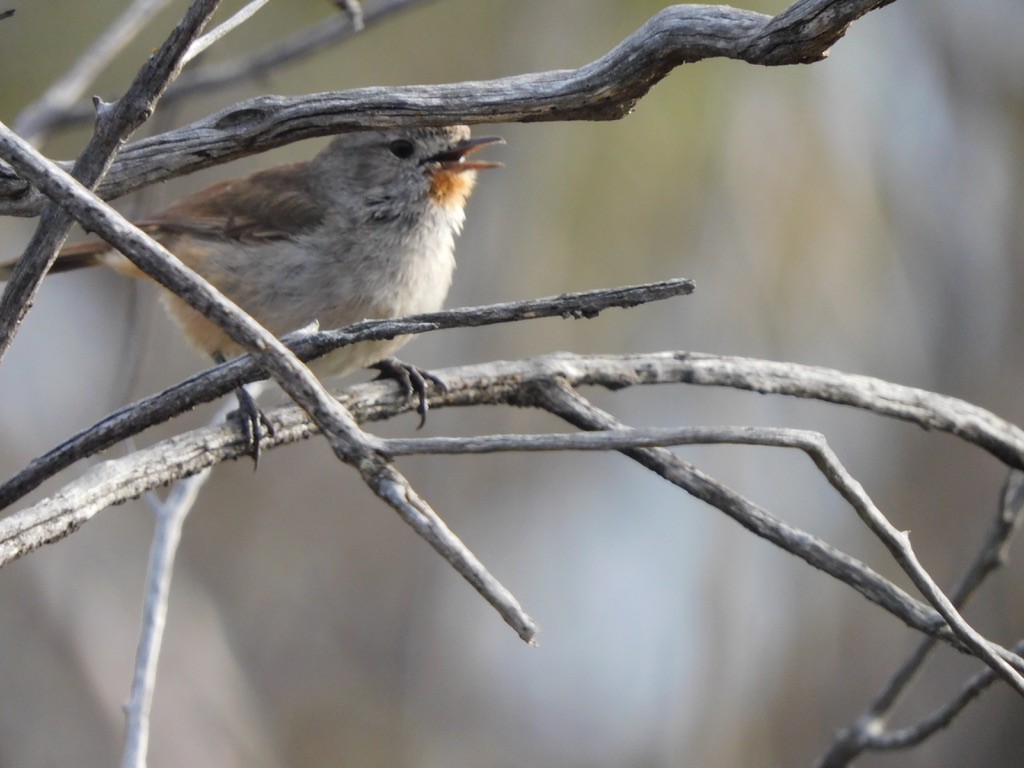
point(605, 89)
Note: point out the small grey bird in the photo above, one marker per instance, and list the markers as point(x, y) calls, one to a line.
point(366, 229)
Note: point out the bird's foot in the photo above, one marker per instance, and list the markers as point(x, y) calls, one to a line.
point(412, 380)
point(254, 422)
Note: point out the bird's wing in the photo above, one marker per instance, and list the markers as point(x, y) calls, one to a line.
point(276, 204)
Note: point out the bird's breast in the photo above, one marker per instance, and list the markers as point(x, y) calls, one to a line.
point(417, 275)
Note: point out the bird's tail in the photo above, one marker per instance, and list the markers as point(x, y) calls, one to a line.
point(77, 256)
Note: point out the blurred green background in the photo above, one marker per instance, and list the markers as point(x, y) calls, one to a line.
point(863, 213)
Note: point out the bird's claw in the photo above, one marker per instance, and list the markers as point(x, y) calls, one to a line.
point(254, 422)
point(412, 380)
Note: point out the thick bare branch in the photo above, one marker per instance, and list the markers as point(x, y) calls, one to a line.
point(207, 386)
point(496, 382)
point(517, 383)
point(605, 89)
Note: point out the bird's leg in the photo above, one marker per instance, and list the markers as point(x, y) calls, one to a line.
point(254, 421)
point(412, 380)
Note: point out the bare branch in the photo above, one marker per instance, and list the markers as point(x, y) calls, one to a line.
point(209, 77)
point(353, 9)
point(37, 118)
point(940, 718)
point(606, 89)
point(497, 382)
point(812, 443)
point(224, 29)
point(558, 398)
point(208, 386)
point(603, 440)
point(170, 517)
point(868, 733)
point(898, 544)
point(348, 442)
point(119, 480)
point(396, 491)
point(113, 126)
point(526, 383)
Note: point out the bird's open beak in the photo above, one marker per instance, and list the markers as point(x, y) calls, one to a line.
point(454, 159)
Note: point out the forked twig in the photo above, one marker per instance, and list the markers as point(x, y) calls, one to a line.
point(563, 401)
point(868, 731)
point(38, 117)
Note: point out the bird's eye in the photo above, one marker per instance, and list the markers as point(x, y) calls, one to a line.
point(401, 148)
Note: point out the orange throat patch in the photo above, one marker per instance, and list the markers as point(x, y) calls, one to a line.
point(451, 188)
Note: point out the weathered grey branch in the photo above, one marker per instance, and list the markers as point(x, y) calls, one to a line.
point(170, 517)
point(911, 736)
point(210, 77)
point(813, 444)
point(559, 398)
point(114, 123)
point(927, 409)
point(867, 732)
point(37, 118)
point(209, 385)
point(348, 442)
point(605, 89)
point(898, 544)
point(517, 383)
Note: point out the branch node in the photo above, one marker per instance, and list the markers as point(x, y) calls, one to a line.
point(103, 108)
point(354, 10)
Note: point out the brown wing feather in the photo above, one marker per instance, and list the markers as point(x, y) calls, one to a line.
point(275, 204)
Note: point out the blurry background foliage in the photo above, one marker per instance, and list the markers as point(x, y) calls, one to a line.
point(863, 213)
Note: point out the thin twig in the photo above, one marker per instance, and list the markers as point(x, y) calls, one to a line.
point(898, 544)
point(913, 735)
point(113, 125)
point(560, 399)
point(867, 732)
point(353, 9)
point(606, 89)
point(37, 118)
point(603, 440)
point(170, 516)
point(209, 77)
point(812, 443)
point(221, 30)
point(209, 385)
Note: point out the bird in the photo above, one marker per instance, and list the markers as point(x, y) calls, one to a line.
point(365, 229)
